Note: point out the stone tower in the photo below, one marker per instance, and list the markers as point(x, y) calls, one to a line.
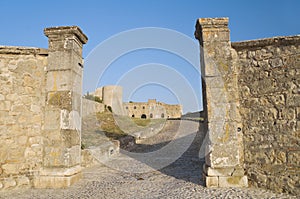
point(113, 96)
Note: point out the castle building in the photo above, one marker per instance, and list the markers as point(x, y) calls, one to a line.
point(113, 95)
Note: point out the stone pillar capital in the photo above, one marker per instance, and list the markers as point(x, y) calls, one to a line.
point(53, 33)
point(212, 29)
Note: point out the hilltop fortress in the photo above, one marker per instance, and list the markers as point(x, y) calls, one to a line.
point(112, 96)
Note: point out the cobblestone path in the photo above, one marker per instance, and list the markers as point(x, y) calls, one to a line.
point(122, 176)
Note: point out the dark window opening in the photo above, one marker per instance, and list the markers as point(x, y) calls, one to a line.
point(162, 115)
point(151, 115)
point(143, 116)
point(132, 116)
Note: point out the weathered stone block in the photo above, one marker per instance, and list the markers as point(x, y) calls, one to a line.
point(2, 97)
point(59, 80)
point(5, 105)
point(22, 140)
point(223, 132)
point(238, 171)
point(9, 183)
point(57, 177)
point(233, 181)
point(70, 138)
point(294, 158)
point(52, 119)
point(23, 181)
point(222, 155)
point(211, 182)
point(10, 168)
point(54, 157)
point(67, 62)
point(55, 181)
point(217, 171)
point(70, 120)
point(60, 99)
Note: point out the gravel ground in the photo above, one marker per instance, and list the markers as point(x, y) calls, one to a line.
point(122, 179)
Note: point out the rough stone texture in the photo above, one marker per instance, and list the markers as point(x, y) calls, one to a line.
point(252, 94)
point(22, 103)
point(40, 117)
point(269, 90)
point(62, 135)
point(224, 150)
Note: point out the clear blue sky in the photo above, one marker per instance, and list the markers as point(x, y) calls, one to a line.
point(22, 24)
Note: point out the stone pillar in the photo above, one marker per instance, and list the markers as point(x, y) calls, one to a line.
point(62, 126)
point(224, 151)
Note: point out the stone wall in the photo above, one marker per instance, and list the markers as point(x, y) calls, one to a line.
point(91, 107)
point(269, 90)
point(112, 96)
point(22, 104)
point(252, 88)
point(40, 111)
point(152, 109)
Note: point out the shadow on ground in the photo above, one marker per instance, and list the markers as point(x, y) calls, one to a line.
point(188, 166)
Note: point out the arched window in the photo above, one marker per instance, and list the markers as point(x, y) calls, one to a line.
point(143, 116)
point(134, 107)
point(151, 115)
point(162, 115)
point(132, 116)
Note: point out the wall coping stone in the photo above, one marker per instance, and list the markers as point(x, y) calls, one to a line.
point(20, 50)
point(258, 43)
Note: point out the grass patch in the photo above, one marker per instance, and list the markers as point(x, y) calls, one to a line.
point(141, 122)
point(108, 125)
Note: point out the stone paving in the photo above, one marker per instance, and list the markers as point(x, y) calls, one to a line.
point(181, 179)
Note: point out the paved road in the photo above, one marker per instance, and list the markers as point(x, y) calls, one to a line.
point(129, 175)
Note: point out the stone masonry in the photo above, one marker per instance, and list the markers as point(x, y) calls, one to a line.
point(112, 95)
point(224, 153)
point(269, 90)
point(40, 111)
point(22, 104)
point(251, 103)
point(252, 100)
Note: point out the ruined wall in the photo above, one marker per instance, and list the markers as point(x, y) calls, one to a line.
point(269, 90)
point(22, 103)
point(90, 107)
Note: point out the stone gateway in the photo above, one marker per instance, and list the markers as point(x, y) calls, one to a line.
point(251, 94)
